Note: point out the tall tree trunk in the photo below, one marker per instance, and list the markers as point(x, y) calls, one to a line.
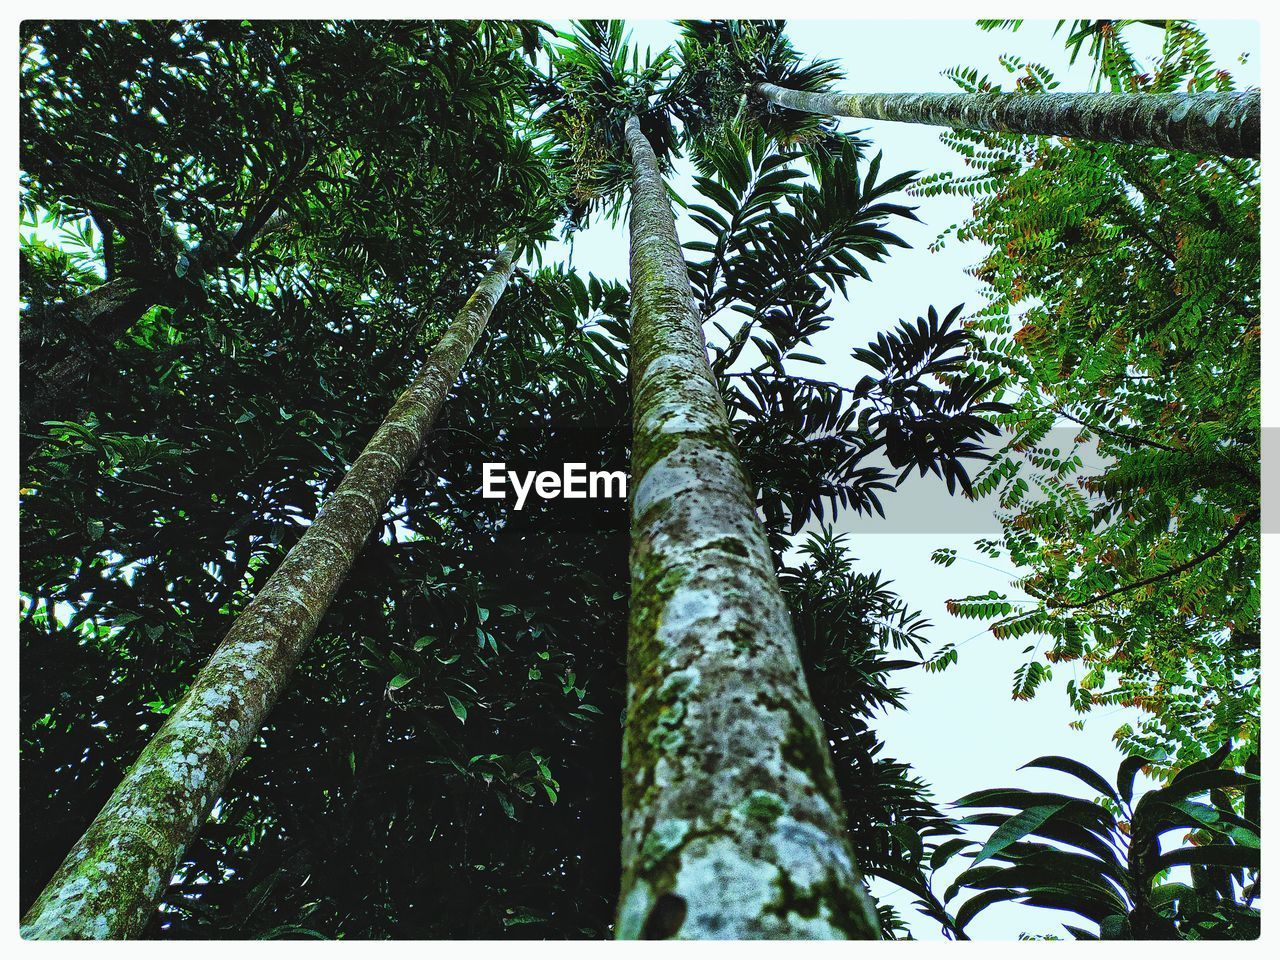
point(1219, 123)
point(61, 344)
point(110, 881)
point(732, 822)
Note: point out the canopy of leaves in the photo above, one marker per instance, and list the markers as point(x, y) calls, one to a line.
point(1123, 309)
point(446, 761)
point(786, 231)
point(720, 63)
point(170, 135)
point(594, 83)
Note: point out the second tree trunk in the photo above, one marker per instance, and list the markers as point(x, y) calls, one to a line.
point(109, 884)
point(1216, 123)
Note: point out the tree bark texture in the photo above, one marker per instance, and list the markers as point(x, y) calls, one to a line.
point(1228, 124)
point(110, 882)
point(732, 823)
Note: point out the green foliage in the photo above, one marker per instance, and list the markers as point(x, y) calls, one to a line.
point(1113, 62)
point(1109, 860)
point(446, 761)
point(1123, 313)
point(176, 138)
point(720, 63)
point(589, 92)
point(213, 161)
point(780, 245)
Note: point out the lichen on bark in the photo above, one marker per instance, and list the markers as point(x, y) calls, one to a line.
point(729, 831)
point(108, 885)
point(1228, 124)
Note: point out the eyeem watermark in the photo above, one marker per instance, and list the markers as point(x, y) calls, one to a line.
point(574, 482)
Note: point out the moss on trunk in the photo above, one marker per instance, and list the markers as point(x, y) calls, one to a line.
point(732, 824)
point(108, 885)
point(1217, 123)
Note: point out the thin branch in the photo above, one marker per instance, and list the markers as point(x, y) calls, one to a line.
point(1213, 551)
point(1115, 434)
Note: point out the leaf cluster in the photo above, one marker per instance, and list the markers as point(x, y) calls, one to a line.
point(1106, 861)
point(1123, 316)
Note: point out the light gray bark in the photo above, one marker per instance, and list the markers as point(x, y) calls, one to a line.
point(732, 822)
point(1228, 124)
point(109, 884)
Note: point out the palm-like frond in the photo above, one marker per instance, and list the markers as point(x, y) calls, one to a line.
point(720, 62)
point(596, 80)
point(1104, 860)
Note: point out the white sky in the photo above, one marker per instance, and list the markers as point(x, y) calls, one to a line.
point(960, 730)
